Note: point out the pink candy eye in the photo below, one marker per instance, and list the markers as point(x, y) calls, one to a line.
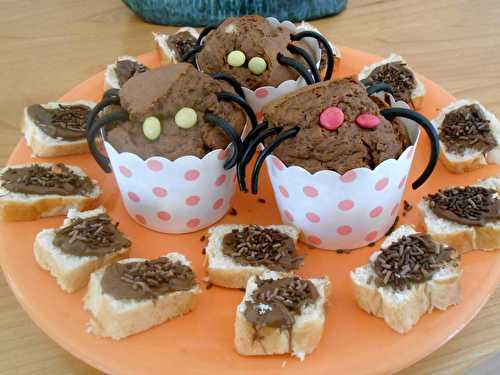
point(331, 118)
point(367, 121)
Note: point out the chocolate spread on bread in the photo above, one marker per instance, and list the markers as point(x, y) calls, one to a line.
point(255, 37)
point(467, 128)
point(95, 235)
point(126, 69)
point(410, 260)
point(161, 93)
point(44, 180)
point(350, 146)
point(275, 303)
point(398, 76)
point(471, 205)
point(65, 122)
point(146, 280)
point(257, 246)
point(180, 43)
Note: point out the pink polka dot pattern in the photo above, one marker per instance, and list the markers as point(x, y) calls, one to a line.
point(220, 180)
point(278, 164)
point(283, 191)
point(260, 116)
point(160, 192)
point(310, 191)
point(261, 93)
point(193, 223)
point(348, 177)
point(218, 204)
point(376, 212)
point(193, 200)
point(312, 217)
point(133, 197)
point(125, 171)
point(192, 175)
point(288, 215)
point(371, 236)
point(141, 219)
point(346, 205)
point(382, 184)
point(164, 216)
point(402, 183)
point(344, 230)
point(315, 240)
point(394, 209)
point(154, 165)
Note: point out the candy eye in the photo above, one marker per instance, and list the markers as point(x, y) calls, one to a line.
point(151, 127)
point(331, 118)
point(257, 65)
point(186, 118)
point(367, 121)
point(236, 58)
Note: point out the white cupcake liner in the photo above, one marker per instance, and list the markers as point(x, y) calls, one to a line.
point(343, 211)
point(179, 196)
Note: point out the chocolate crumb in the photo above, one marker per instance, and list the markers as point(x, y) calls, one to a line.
point(203, 251)
point(394, 225)
point(203, 238)
point(371, 244)
point(243, 289)
point(407, 206)
point(343, 251)
point(233, 212)
point(209, 285)
point(261, 200)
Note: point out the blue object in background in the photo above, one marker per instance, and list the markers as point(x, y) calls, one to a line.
point(212, 12)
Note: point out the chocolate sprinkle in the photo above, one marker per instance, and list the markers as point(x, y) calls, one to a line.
point(181, 42)
point(233, 212)
point(467, 128)
point(398, 76)
point(371, 244)
point(257, 246)
point(412, 259)
point(209, 285)
point(261, 200)
point(126, 69)
point(203, 238)
point(471, 205)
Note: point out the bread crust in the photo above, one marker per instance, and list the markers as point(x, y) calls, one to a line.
point(25, 207)
point(167, 56)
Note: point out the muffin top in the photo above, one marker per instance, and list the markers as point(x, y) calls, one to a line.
point(173, 99)
point(352, 141)
point(255, 37)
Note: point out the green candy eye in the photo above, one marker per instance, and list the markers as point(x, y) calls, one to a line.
point(186, 118)
point(151, 127)
point(257, 65)
point(236, 58)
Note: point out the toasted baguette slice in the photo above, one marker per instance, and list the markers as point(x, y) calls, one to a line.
point(43, 145)
point(306, 331)
point(121, 318)
point(168, 55)
point(223, 270)
point(110, 77)
point(417, 96)
point(20, 207)
point(471, 159)
point(401, 310)
point(71, 272)
point(463, 237)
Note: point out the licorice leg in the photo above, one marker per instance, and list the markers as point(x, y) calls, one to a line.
point(204, 33)
point(113, 100)
point(308, 58)
point(232, 135)
point(191, 55)
point(329, 51)
point(290, 133)
point(391, 113)
point(378, 87)
point(224, 95)
point(233, 82)
point(298, 67)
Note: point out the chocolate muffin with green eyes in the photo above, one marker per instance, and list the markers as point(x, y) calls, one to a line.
point(166, 109)
point(247, 48)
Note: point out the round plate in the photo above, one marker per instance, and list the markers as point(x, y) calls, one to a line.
point(202, 341)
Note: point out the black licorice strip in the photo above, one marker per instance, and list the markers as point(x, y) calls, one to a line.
point(328, 48)
point(231, 80)
point(308, 58)
point(105, 102)
point(241, 167)
point(379, 87)
point(298, 67)
point(290, 133)
point(191, 55)
point(231, 133)
point(204, 33)
point(224, 95)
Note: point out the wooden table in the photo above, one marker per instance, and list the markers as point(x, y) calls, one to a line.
point(48, 47)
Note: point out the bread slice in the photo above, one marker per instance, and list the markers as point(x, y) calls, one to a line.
point(417, 96)
point(306, 331)
point(71, 272)
point(110, 77)
point(401, 310)
point(167, 55)
point(463, 237)
point(19, 207)
point(223, 270)
point(43, 145)
point(120, 318)
point(471, 159)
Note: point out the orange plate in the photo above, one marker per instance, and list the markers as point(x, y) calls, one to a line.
point(202, 341)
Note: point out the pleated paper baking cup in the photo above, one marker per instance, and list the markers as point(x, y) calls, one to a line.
point(342, 211)
point(179, 196)
point(262, 95)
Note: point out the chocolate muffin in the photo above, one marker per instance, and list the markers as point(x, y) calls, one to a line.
point(256, 38)
point(341, 128)
point(167, 108)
